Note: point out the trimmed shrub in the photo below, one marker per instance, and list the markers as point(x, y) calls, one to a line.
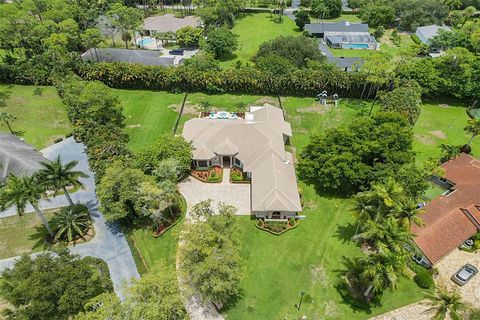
point(416, 39)
point(424, 279)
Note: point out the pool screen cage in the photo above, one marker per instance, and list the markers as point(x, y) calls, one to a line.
point(338, 41)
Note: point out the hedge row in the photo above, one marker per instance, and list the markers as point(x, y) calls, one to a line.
point(306, 82)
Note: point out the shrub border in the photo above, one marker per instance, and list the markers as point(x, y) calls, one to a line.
point(278, 233)
point(170, 226)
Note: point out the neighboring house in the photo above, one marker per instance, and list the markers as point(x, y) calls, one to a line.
point(145, 57)
point(17, 157)
point(426, 33)
point(255, 145)
point(453, 217)
point(169, 23)
point(343, 35)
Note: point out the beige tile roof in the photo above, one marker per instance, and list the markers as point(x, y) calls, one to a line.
point(259, 144)
point(168, 23)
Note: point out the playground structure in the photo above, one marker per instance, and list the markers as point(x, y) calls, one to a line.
point(323, 98)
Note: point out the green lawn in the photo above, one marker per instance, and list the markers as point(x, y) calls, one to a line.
point(254, 29)
point(433, 191)
point(40, 113)
point(22, 234)
point(441, 123)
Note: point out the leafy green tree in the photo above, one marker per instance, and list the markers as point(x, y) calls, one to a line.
point(275, 65)
point(50, 286)
point(448, 152)
point(218, 13)
point(302, 18)
point(7, 119)
point(155, 296)
point(167, 170)
point(189, 36)
point(91, 38)
point(298, 50)
point(404, 99)
point(220, 42)
point(57, 176)
point(125, 18)
point(447, 303)
point(473, 127)
point(20, 191)
point(167, 147)
point(345, 159)
point(377, 14)
point(326, 8)
point(210, 253)
point(71, 222)
point(203, 61)
point(124, 193)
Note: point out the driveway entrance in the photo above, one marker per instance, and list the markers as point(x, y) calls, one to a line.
point(236, 194)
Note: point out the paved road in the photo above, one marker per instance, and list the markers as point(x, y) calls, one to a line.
point(109, 242)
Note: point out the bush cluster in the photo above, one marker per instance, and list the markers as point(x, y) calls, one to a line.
point(424, 279)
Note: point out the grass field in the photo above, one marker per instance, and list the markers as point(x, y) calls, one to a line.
point(254, 29)
point(22, 234)
point(441, 123)
point(40, 113)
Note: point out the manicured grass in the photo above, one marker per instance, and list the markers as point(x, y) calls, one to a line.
point(441, 123)
point(149, 114)
point(41, 115)
point(309, 258)
point(254, 29)
point(344, 17)
point(22, 234)
point(433, 191)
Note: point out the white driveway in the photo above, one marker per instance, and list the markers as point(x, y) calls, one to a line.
point(236, 194)
point(109, 242)
point(470, 292)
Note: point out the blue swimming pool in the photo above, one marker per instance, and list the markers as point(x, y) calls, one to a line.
point(355, 46)
point(144, 42)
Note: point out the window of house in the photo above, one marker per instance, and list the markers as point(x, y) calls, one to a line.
point(202, 163)
point(238, 162)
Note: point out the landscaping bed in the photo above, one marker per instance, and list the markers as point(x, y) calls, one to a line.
point(212, 175)
point(238, 176)
point(177, 216)
point(277, 227)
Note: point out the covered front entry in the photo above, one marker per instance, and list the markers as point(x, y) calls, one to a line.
point(226, 161)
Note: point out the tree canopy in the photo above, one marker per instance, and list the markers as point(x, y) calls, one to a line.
point(348, 159)
point(220, 42)
point(50, 286)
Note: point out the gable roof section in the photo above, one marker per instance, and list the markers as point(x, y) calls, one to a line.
point(431, 31)
point(17, 157)
point(259, 144)
point(446, 224)
point(145, 57)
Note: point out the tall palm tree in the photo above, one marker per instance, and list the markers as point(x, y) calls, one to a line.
point(473, 127)
point(7, 118)
point(446, 303)
point(58, 176)
point(363, 209)
point(19, 191)
point(407, 211)
point(71, 221)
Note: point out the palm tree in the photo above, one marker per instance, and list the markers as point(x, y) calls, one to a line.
point(473, 127)
point(19, 191)
point(363, 209)
point(407, 211)
point(388, 236)
point(446, 303)
point(71, 221)
point(7, 118)
point(58, 176)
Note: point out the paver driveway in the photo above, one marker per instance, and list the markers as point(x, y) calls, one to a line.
point(470, 292)
point(109, 242)
point(235, 194)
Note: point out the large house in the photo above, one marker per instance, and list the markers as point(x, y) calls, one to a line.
point(453, 217)
point(17, 157)
point(426, 33)
point(256, 145)
point(145, 57)
point(343, 35)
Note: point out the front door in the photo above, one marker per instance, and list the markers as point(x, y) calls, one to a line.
point(226, 161)
point(276, 215)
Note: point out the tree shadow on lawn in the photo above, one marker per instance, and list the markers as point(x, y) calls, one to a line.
point(40, 237)
point(229, 57)
point(346, 233)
